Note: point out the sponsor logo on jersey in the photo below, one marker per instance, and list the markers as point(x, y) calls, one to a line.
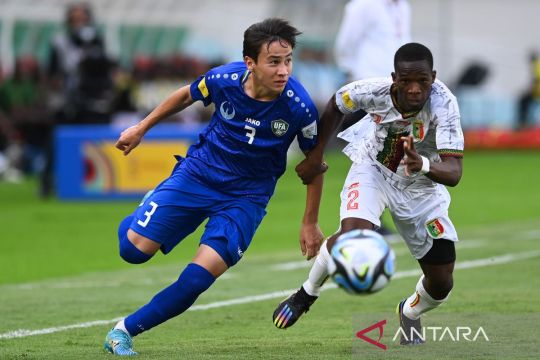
point(347, 101)
point(202, 87)
point(227, 110)
point(418, 129)
point(435, 228)
point(310, 131)
point(253, 121)
point(279, 127)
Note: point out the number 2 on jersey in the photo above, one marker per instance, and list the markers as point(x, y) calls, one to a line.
point(148, 214)
point(250, 134)
point(352, 196)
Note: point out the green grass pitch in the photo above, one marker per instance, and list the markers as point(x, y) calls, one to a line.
point(62, 283)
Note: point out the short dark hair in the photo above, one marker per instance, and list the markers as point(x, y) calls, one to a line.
point(266, 32)
point(413, 52)
point(71, 8)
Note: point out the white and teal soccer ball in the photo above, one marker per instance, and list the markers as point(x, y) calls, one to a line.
point(362, 262)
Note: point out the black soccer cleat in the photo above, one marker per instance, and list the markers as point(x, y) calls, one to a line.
point(411, 330)
point(290, 309)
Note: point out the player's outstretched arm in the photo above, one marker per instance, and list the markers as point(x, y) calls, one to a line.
point(313, 164)
point(311, 235)
point(132, 136)
point(447, 172)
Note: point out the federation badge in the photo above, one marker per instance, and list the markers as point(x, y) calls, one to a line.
point(435, 228)
point(418, 129)
point(279, 127)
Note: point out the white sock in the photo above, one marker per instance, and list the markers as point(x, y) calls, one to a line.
point(120, 325)
point(318, 273)
point(420, 302)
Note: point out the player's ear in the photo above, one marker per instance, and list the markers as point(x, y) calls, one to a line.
point(249, 62)
point(434, 75)
point(393, 76)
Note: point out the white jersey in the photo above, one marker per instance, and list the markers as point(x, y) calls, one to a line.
point(436, 128)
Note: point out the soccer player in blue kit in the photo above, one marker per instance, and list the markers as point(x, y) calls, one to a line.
point(227, 177)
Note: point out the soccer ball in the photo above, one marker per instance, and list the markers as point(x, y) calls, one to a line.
point(362, 262)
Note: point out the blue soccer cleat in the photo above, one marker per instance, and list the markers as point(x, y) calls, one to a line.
point(118, 342)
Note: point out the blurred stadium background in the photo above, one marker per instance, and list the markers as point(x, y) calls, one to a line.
point(483, 51)
point(58, 260)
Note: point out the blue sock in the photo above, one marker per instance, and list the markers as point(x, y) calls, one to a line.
point(128, 251)
point(171, 301)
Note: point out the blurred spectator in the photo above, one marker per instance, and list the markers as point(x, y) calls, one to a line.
point(9, 169)
point(370, 33)
point(80, 71)
point(154, 78)
point(80, 79)
point(22, 95)
point(26, 122)
point(530, 100)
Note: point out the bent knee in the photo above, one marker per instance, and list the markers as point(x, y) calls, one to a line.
point(445, 285)
point(131, 253)
point(440, 286)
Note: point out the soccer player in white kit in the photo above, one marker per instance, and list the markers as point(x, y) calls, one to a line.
point(404, 152)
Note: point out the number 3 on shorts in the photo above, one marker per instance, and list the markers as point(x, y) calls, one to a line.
point(148, 214)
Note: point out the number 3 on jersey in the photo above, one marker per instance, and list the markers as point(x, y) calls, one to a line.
point(250, 134)
point(148, 214)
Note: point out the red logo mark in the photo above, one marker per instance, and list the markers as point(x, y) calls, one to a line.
point(380, 326)
point(376, 118)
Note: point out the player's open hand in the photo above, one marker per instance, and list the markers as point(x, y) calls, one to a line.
point(311, 238)
point(129, 139)
point(412, 160)
point(308, 169)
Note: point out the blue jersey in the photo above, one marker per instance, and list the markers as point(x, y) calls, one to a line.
point(243, 151)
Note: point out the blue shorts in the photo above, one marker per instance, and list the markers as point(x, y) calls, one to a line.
point(180, 204)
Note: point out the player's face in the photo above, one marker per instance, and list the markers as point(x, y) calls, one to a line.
point(273, 66)
point(413, 80)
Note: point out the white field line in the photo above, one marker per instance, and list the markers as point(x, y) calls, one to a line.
point(293, 265)
point(276, 294)
point(531, 234)
point(78, 284)
point(286, 266)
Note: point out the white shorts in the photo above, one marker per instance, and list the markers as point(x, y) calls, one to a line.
point(419, 213)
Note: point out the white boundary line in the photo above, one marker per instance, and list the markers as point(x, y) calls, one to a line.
point(504, 259)
point(293, 265)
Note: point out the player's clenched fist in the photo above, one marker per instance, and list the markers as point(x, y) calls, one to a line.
point(308, 169)
point(129, 139)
